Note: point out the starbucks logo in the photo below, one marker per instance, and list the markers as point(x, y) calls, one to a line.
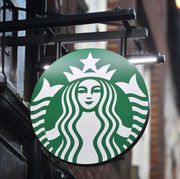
point(89, 107)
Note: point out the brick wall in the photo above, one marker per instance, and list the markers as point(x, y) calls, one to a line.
point(157, 147)
point(157, 22)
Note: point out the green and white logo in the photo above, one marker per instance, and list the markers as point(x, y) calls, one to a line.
point(90, 106)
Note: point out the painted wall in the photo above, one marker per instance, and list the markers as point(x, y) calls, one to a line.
point(172, 132)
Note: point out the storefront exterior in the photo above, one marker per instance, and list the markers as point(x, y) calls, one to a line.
point(22, 56)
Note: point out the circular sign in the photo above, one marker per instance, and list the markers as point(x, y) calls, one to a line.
point(90, 106)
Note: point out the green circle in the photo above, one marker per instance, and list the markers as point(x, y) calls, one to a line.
point(61, 109)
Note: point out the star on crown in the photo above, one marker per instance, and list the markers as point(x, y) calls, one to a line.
point(89, 64)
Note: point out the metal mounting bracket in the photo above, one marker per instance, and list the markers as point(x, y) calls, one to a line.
point(136, 33)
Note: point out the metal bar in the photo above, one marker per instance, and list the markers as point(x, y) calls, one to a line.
point(127, 25)
point(3, 47)
point(123, 47)
point(9, 2)
point(12, 149)
point(77, 38)
point(67, 20)
point(139, 45)
point(34, 171)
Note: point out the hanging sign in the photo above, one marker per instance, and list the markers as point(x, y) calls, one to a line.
point(90, 106)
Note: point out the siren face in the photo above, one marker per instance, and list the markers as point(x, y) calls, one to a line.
point(89, 94)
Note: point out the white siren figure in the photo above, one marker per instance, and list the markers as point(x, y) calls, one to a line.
point(89, 121)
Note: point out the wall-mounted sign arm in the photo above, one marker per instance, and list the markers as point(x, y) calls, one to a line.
point(68, 20)
point(124, 43)
point(139, 33)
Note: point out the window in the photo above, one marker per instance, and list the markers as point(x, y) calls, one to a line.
point(14, 57)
